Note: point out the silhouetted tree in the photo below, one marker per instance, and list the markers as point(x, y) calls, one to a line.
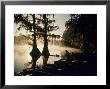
point(72, 34)
point(48, 26)
point(38, 24)
point(28, 23)
point(86, 26)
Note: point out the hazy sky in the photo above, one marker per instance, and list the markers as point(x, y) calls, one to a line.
point(60, 21)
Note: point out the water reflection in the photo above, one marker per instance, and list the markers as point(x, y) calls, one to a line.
point(22, 59)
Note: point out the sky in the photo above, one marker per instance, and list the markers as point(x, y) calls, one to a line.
point(60, 20)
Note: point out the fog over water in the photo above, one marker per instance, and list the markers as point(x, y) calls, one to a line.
point(22, 54)
point(22, 47)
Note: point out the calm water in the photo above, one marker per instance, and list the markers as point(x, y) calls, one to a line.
point(21, 55)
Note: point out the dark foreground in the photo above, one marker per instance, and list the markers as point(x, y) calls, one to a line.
point(75, 65)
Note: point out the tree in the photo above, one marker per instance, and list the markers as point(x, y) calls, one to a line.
point(48, 26)
point(35, 53)
point(85, 25)
point(37, 24)
point(71, 35)
point(28, 23)
point(88, 27)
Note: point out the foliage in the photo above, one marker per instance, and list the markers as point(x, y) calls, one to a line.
point(84, 28)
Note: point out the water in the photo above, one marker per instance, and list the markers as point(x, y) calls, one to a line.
point(22, 55)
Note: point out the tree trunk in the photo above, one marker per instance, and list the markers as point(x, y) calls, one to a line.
point(35, 53)
point(45, 51)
